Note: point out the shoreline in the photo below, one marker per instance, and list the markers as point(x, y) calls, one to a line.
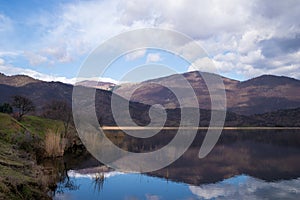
point(112, 128)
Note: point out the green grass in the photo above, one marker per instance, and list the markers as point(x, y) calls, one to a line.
point(40, 126)
point(37, 126)
point(13, 169)
point(18, 179)
point(8, 125)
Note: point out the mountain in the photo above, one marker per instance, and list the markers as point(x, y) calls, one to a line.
point(16, 80)
point(265, 94)
point(280, 118)
point(43, 93)
point(39, 92)
point(258, 95)
point(264, 87)
point(98, 85)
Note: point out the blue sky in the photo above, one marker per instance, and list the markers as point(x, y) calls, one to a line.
point(50, 40)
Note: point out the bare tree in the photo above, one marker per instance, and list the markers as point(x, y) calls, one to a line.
point(59, 110)
point(23, 104)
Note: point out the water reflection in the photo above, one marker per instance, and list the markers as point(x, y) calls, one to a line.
point(126, 186)
point(246, 187)
point(250, 164)
point(136, 186)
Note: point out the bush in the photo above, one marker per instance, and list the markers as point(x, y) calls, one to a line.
point(54, 144)
point(26, 141)
point(6, 108)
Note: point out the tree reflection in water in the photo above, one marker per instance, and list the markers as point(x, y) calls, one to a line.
point(98, 182)
point(58, 178)
point(266, 155)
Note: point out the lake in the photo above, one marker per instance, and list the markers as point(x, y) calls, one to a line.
point(250, 164)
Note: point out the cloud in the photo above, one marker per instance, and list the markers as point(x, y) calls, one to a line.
point(83, 25)
point(245, 37)
point(135, 54)
point(79, 174)
point(78, 27)
point(152, 197)
point(204, 64)
point(6, 23)
point(248, 30)
point(252, 57)
point(35, 59)
point(12, 70)
point(9, 53)
point(245, 187)
point(1, 61)
point(153, 57)
point(209, 17)
point(278, 46)
point(101, 79)
point(58, 53)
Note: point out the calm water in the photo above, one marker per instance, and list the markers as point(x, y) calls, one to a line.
point(135, 186)
point(243, 165)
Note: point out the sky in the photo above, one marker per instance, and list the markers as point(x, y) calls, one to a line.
point(50, 40)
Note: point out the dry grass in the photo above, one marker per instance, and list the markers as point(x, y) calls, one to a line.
point(54, 144)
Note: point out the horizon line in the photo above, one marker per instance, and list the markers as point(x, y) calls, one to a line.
point(116, 82)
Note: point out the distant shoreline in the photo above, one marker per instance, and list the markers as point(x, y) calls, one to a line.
point(111, 128)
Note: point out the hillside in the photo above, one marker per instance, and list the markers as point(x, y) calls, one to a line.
point(43, 93)
point(16, 80)
point(20, 143)
point(258, 95)
point(97, 85)
point(246, 100)
point(281, 118)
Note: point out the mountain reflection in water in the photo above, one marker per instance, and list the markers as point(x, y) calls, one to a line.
point(117, 185)
point(250, 164)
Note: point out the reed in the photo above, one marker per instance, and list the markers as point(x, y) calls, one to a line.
point(54, 144)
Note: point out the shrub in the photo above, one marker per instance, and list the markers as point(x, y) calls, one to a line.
point(54, 144)
point(6, 108)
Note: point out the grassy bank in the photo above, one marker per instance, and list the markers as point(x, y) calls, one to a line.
point(21, 143)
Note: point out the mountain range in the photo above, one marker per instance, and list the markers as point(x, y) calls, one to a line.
point(263, 101)
point(258, 95)
point(98, 85)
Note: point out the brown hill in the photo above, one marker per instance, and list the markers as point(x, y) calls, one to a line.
point(43, 93)
point(97, 85)
point(278, 89)
point(262, 94)
point(16, 80)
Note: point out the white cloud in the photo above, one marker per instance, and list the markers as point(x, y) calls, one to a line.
point(35, 59)
point(83, 25)
point(152, 197)
point(252, 57)
point(9, 53)
point(58, 53)
point(79, 174)
point(101, 79)
point(12, 70)
point(1, 61)
point(244, 187)
point(77, 32)
point(232, 31)
point(199, 19)
point(204, 64)
point(153, 57)
point(6, 23)
point(135, 54)
point(250, 39)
